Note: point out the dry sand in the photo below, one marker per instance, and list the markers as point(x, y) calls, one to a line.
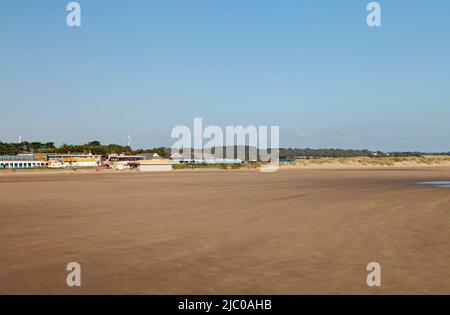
point(226, 232)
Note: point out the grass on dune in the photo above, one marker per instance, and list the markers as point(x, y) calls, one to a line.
point(378, 161)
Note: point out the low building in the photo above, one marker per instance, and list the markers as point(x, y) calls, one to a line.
point(74, 160)
point(156, 165)
point(223, 161)
point(122, 161)
point(206, 161)
point(21, 161)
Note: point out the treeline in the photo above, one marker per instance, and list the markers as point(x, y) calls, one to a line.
point(94, 147)
point(296, 153)
point(293, 153)
point(26, 147)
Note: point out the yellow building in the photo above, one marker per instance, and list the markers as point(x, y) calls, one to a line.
point(74, 160)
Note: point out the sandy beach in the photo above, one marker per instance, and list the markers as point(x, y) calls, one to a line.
point(226, 232)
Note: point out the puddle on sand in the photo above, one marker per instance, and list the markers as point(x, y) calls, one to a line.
point(441, 184)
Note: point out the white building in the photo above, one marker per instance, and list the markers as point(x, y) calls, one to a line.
point(160, 165)
point(21, 161)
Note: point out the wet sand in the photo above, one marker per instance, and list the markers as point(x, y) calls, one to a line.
point(226, 232)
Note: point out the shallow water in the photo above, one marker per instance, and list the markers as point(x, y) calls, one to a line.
point(442, 184)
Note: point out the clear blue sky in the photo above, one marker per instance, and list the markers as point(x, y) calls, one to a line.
point(312, 67)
